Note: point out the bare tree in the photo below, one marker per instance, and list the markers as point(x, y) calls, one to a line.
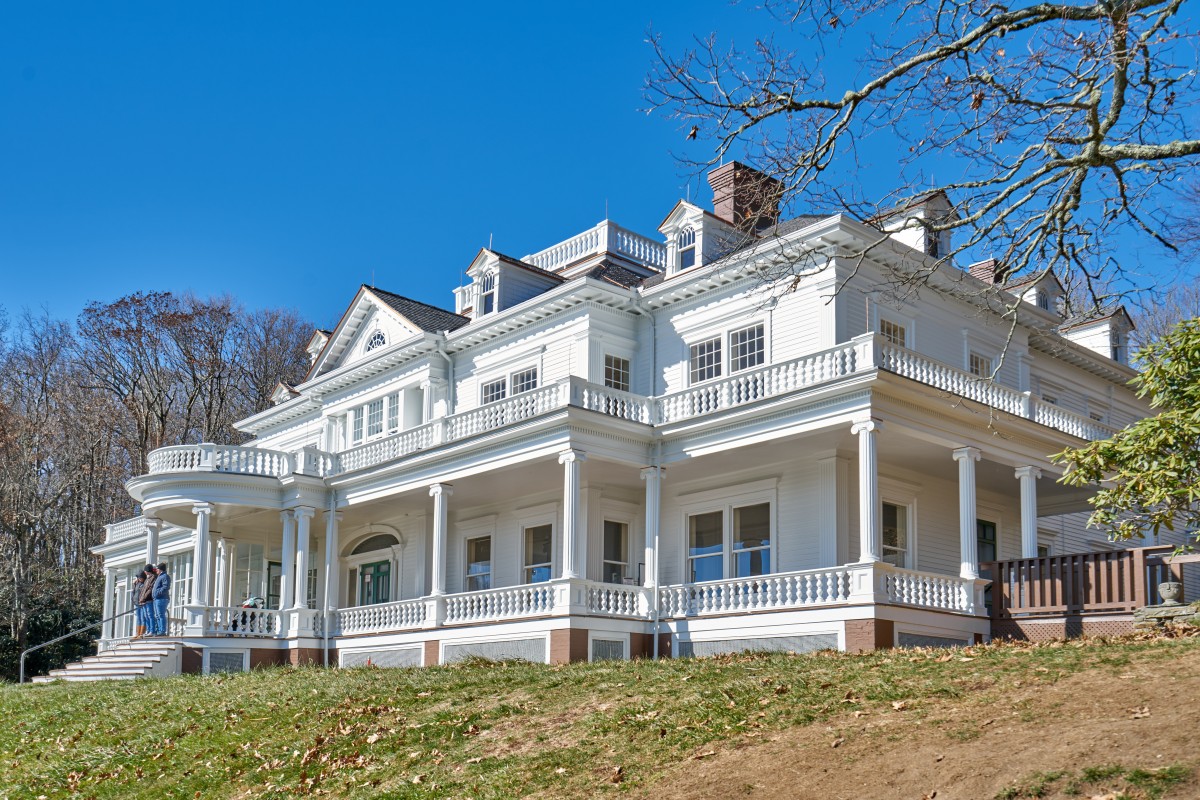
point(1063, 126)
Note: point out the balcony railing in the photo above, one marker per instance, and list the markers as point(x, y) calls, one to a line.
point(125, 529)
point(605, 237)
point(235, 621)
point(1076, 584)
point(783, 590)
point(221, 458)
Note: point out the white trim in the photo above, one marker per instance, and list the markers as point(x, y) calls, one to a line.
point(205, 667)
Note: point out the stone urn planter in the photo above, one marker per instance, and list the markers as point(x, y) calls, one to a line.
point(1171, 593)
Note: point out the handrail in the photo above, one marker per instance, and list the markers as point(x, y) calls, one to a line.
point(27, 651)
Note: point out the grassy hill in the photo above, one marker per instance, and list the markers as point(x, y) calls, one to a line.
point(991, 721)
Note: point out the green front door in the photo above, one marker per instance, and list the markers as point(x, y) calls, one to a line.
point(374, 583)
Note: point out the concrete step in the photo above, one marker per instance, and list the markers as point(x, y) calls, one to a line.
point(113, 663)
point(86, 678)
point(95, 672)
point(126, 662)
point(158, 652)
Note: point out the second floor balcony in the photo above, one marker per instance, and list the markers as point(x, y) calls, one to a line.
point(859, 358)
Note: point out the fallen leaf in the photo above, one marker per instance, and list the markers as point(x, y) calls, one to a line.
point(705, 754)
point(560, 770)
point(837, 742)
point(1140, 712)
point(938, 758)
point(899, 705)
point(618, 774)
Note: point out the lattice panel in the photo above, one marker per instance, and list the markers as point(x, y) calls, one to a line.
point(1068, 628)
point(608, 650)
point(905, 639)
point(382, 657)
point(774, 644)
point(226, 661)
point(533, 650)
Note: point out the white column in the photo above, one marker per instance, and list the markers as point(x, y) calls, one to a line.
point(210, 566)
point(572, 522)
point(870, 510)
point(303, 535)
point(153, 527)
point(288, 560)
point(653, 477)
point(440, 492)
point(203, 512)
point(967, 526)
point(332, 572)
point(1029, 477)
point(110, 579)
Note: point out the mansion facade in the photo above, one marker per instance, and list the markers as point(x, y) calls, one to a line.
point(627, 446)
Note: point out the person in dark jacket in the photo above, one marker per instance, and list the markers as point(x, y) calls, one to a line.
point(142, 615)
point(144, 597)
point(162, 597)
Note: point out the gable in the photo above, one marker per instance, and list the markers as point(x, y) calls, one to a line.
point(366, 317)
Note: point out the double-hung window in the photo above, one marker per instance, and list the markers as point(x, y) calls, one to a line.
point(747, 348)
point(705, 360)
point(896, 540)
point(616, 373)
point(539, 543)
point(375, 418)
point(731, 542)
point(687, 248)
point(980, 365)
point(487, 294)
point(494, 391)
point(479, 563)
point(893, 332)
point(524, 381)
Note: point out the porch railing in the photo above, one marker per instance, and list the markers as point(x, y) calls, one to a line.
point(510, 602)
point(399, 615)
point(760, 593)
point(1076, 584)
point(927, 590)
point(236, 621)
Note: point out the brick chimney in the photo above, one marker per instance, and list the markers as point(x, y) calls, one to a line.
point(745, 197)
point(989, 271)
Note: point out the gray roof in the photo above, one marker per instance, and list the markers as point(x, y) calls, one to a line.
point(615, 273)
point(426, 317)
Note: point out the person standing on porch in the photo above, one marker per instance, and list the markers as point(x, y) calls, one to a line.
point(144, 597)
point(162, 597)
point(135, 593)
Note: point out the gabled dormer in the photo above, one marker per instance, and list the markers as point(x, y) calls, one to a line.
point(696, 237)
point(1043, 290)
point(316, 344)
point(1106, 332)
point(913, 222)
point(498, 282)
point(282, 393)
point(375, 320)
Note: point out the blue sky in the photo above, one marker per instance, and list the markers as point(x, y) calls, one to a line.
point(286, 152)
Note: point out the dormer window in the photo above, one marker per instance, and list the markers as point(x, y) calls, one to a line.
point(687, 248)
point(487, 294)
point(1043, 299)
point(1117, 345)
point(378, 339)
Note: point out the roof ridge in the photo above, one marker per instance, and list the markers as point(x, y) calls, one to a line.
point(412, 300)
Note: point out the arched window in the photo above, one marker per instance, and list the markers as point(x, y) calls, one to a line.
point(377, 340)
point(1043, 299)
point(687, 248)
point(380, 541)
point(487, 294)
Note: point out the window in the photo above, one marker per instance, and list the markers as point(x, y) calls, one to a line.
point(378, 339)
point(524, 381)
point(1043, 550)
point(539, 541)
point(705, 546)
point(1049, 399)
point(487, 294)
point(980, 365)
point(895, 534)
point(374, 583)
point(746, 348)
point(687, 248)
point(705, 360)
point(747, 542)
point(247, 573)
point(494, 391)
point(1117, 346)
point(1096, 416)
point(616, 546)
point(358, 424)
point(393, 420)
point(1043, 300)
point(375, 417)
point(985, 539)
point(616, 373)
point(479, 563)
point(893, 332)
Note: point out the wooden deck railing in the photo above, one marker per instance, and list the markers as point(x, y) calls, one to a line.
point(1081, 583)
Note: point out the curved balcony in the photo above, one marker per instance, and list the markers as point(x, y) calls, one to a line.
point(221, 458)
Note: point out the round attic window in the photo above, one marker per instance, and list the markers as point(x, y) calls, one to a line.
point(377, 340)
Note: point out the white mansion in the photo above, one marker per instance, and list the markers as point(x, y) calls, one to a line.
point(626, 445)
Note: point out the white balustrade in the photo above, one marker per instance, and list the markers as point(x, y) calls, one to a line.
point(237, 621)
point(395, 446)
point(395, 616)
point(220, 458)
point(1067, 421)
point(912, 365)
point(512, 602)
point(125, 529)
point(605, 237)
point(759, 593)
point(926, 590)
point(615, 600)
point(506, 412)
point(746, 387)
point(612, 402)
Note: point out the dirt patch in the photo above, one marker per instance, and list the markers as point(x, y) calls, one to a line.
point(1137, 715)
point(525, 735)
